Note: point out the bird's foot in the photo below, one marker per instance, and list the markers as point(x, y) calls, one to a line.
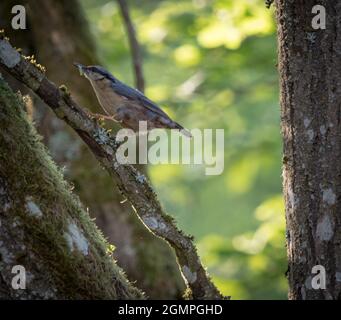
point(101, 117)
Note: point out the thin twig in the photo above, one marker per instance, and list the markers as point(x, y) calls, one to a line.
point(134, 45)
point(133, 185)
point(268, 3)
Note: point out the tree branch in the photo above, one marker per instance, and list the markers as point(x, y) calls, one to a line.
point(130, 182)
point(134, 45)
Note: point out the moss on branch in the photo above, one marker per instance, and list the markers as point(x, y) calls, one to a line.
point(43, 225)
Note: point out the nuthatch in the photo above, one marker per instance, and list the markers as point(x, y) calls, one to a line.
point(124, 104)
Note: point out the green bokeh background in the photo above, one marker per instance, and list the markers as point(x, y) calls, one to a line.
point(212, 64)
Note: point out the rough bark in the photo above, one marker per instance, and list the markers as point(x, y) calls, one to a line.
point(64, 39)
point(133, 185)
point(310, 76)
point(43, 226)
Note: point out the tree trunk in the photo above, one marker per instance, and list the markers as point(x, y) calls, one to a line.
point(44, 228)
point(64, 39)
point(310, 75)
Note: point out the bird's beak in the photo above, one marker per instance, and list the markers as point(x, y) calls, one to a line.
point(80, 67)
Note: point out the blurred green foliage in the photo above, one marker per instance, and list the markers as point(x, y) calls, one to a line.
point(212, 64)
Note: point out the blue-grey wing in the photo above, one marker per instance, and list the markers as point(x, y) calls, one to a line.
point(134, 94)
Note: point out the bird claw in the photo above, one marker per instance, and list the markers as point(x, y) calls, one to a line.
point(101, 117)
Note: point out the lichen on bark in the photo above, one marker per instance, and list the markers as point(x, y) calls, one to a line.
point(310, 81)
point(38, 212)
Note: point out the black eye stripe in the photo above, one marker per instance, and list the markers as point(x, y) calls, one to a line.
point(104, 74)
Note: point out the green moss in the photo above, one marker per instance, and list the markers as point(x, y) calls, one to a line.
point(30, 172)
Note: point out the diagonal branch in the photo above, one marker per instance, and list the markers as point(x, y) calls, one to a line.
point(130, 182)
point(134, 45)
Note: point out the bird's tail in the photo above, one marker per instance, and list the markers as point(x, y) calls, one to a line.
point(184, 131)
